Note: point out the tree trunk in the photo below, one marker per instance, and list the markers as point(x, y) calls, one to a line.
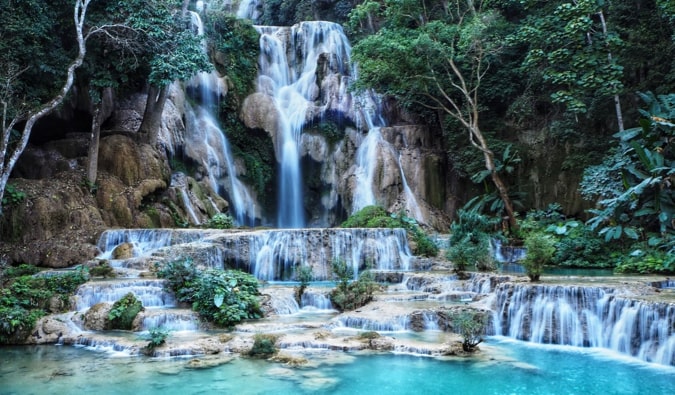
point(152, 117)
point(7, 163)
point(488, 155)
point(617, 102)
point(92, 155)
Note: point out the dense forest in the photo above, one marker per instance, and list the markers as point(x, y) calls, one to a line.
point(581, 91)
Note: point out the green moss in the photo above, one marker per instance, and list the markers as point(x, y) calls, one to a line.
point(124, 311)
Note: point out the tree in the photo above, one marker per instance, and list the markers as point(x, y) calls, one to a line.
point(19, 117)
point(436, 56)
point(634, 187)
point(570, 50)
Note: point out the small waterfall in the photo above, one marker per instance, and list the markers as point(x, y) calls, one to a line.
point(250, 9)
point(151, 293)
point(366, 165)
point(506, 254)
point(144, 241)
point(170, 320)
point(316, 300)
point(587, 317)
point(394, 324)
point(274, 255)
point(431, 321)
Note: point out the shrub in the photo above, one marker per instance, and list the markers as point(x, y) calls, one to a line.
point(102, 269)
point(222, 297)
point(645, 262)
point(181, 276)
point(24, 298)
point(220, 221)
point(123, 312)
point(156, 337)
point(350, 296)
point(540, 250)
point(472, 328)
point(470, 241)
point(264, 346)
point(304, 275)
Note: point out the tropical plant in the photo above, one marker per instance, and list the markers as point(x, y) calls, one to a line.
point(540, 249)
point(25, 296)
point(469, 242)
point(471, 325)
point(123, 312)
point(304, 275)
point(220, 221)
point(264, 345)
point(224, 297)
point(156, 337)
point(350, 295)
point(639, 200)
point(438, 62)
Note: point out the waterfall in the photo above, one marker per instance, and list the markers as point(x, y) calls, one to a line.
point(151, 293)
point(250, 9)
point(587, 317)
point(289, 76)
point(208, 140)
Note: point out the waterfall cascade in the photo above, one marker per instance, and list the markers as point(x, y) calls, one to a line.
point(586, 317)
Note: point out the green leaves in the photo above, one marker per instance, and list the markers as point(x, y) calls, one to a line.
point(219, 296)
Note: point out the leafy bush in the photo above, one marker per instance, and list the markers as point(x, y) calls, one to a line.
point(123, 312)
point(540, 250)
point(223, 297)
point(13, 196)
point(469, 242)
point(645, 262)
point(220, 221)
point(156, 337)
point(264, 345)
point(471, 325)
point(25, 298)
point(304, 275)
point(181, 276)
point(102, 269)
point(350, 296)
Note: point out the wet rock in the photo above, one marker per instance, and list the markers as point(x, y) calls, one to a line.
point(96, 318)
point(123, 251)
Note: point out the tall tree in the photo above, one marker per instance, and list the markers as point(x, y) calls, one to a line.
point(570, 51)
point(436, 55)
point(19, 117)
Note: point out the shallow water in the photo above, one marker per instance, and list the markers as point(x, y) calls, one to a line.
point(512, 368)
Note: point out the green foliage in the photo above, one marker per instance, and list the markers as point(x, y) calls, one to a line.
point(220, 221)
point(223, 297)
point(469, 242)
point(123, 312)
point(540, 249)
point(471, 325)
point(264, 345)
point(305, 276)
point(635, 184)
point(568, 51)
point(156, 337)
point(647, 261)
point(12, 196)
point(102, 269)
point(25, 297)
point(181, 276)
point(351, 295)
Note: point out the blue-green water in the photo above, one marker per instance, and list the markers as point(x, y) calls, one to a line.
point(511, 368)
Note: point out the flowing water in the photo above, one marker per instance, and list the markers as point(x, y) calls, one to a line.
point(512, 368)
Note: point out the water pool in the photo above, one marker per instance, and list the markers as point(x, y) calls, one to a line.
point(507, 367)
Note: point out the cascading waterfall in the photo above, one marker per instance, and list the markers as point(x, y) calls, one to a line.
point(586, 317)
point(291, 81)
point(204, 131)
point(150, 292)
